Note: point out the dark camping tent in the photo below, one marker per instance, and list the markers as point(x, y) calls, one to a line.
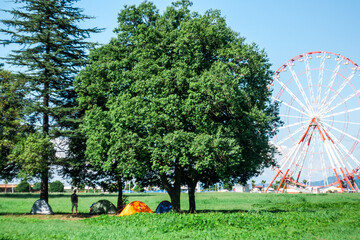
point(41, 207)
point(102, 207)
point(163, 207)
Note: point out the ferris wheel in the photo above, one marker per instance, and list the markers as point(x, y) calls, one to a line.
point(319, 104)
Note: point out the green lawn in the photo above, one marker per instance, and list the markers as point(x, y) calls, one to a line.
point(220, 216)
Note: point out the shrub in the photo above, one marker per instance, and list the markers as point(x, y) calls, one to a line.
point(56, 186)
point(228, 186)
point(23, 186)
point(138, 188)
point(36, 186)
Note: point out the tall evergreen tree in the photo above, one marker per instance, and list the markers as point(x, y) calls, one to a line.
point(53, 48)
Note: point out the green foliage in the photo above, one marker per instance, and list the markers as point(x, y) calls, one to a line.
point(56, 186)
point(35, 153)
point(138, 188)
point(23, 186)
point(52, 50)
point(11, 124)
point(228, 186)
point(178, 97)
point(36, 186)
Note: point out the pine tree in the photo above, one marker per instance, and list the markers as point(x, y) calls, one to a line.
point(53, 49)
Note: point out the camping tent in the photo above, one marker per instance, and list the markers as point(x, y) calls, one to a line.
point(102, 207)
point(135, 207)
point(41, 207)
point(163, 207)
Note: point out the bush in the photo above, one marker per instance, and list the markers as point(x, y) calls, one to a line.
point(36, 186)
point(22, 187)
point(138, 188)
point(56, 186)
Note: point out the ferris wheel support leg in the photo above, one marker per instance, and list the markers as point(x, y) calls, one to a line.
point(284, 188)
point(282, 180)
point(353, 182)
point(297, 180)
point(337, 177)
point(347, 180)
point(272, 181)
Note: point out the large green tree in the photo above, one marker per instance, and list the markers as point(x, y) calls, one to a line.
point(12, 126)
point(181, 94)
point(53, 49)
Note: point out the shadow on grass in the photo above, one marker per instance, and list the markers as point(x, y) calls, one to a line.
point(63, 216)
point(242, 211)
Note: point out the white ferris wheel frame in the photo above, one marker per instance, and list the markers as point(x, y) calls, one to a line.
point(337, 155)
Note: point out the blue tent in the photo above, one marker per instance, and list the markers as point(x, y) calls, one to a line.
point(163, 207)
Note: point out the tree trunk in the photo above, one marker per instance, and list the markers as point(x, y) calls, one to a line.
point(175, 199)
point(173, 190)
point(191, 193)
point(120, 203)
point(44, 190)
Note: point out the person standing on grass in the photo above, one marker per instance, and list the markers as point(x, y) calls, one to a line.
point(74, 201)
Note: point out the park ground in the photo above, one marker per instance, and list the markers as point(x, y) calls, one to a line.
point(219, 216)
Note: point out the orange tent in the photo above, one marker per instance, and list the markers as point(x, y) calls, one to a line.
point(135, 207)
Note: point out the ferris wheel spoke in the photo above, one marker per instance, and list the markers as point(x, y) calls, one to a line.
point(346, 81)
point(343, 112)
point(342, 132)
point(344, 149)
point(341, 163)
point(332, 80)
point(288, 116)
point(287, 158)
point(321, 76)
point(308, 77)
point(352, 123)
point(292, 125)
point(337, 157)
point(300, 158)
point(330, 154)
point(299, 86)
point(323, 165)
point(292, 95)
point(291, 135)
point(290, 106)
point(341, 103)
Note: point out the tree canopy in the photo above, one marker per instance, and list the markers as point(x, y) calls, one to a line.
point(12, 126)
point(179, 98)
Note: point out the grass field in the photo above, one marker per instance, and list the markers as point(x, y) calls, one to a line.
point(219, 216)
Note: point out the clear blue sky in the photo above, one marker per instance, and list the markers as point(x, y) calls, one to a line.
point(284, 29)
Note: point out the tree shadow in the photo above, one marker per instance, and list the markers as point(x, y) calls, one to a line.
point(58, 215)
point(242, 211)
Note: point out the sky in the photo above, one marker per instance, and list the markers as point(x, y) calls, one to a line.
point(283, 28)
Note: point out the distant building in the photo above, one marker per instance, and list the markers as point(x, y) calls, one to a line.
point(241, 188)
point(257, 189)
point(7, 187)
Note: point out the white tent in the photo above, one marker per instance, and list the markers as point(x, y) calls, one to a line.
point(41, 207)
